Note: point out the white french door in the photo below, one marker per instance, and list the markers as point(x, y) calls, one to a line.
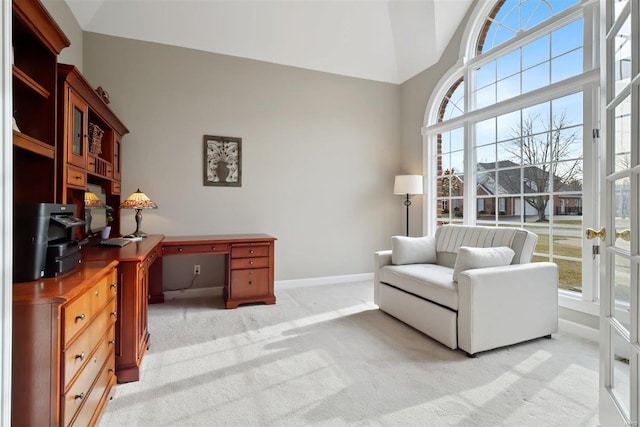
point(620, 259)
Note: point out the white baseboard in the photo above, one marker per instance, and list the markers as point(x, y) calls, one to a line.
point(329, 280)
point(279, 284)
point(578, 330)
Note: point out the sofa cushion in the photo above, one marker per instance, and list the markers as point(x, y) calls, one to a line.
point(429, 281)
point(413, 250)
point(470, 258)
point(449, 239)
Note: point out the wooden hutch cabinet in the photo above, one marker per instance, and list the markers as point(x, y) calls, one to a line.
point(37, 41)
point(83, 114)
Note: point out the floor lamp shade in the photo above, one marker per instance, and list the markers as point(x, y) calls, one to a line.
point(408, 185)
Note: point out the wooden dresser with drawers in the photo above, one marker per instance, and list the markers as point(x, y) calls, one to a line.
point(64, 347)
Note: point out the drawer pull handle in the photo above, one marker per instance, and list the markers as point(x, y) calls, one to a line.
point(114, 313)
point(112, 342)
point(179, 249)
point(81, 317)
point(213, 248)
point(113, 286)
point(79, 396)
point(251, 262)
point(251, 251)
point(111, 370)
point(97, 292)
point(95, 360)
point(80, 356)
point(251, 282)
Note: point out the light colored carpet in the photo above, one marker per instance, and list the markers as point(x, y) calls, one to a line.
point(326, 356)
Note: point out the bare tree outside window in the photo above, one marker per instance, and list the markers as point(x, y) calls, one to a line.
point(544, 157)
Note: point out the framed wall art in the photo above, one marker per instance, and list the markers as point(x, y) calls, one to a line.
point(222, 161)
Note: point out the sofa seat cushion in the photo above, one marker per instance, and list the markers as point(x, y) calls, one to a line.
point(429, 281)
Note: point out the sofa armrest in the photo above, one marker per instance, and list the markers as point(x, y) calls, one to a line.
point(500, 306)
point(380, 259)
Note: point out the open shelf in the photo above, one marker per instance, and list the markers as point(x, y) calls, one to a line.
point(30, 83)
point(33, 145)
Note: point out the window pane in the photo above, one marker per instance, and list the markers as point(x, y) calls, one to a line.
point(568, 108)
point(622, 56)
point(508, 125)
point(536, 77)
point(486, 74)
point(622, 203)
point(457, 161)
point(566, 38)
point(508, 88)
point(620, 385)
point(486, 183)
point(486, 156)
point(569, 274)
point(568, 177)
point(622, 136)
point(535, 119)
point(536, 52)
point(509, 153)
point(508, 64)
point(567, 65)
point(534, 12)
point(509, 181)
point(622, 283)
point(485, 131)
point(486, 96)
point(457, 139)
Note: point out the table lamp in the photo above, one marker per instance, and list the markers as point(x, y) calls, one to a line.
point(91, 201)
point(408, 185)
point(138, 201)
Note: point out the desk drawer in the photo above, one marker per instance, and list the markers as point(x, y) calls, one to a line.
point(76, 177)
point(194, 249)
point(77, 354)
point(241, 263)
point(249, 251)
point(82, 310)
point(81, 392)
point(249, 283)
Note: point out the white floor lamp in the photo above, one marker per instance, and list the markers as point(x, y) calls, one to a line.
point(408, 185)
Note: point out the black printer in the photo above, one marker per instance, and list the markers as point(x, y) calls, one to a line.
point(43, 244)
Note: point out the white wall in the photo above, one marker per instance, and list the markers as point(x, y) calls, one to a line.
point(318, 157)
point(60, 12)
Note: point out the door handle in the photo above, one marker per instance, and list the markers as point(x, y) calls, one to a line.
point(624, 235)
point(592, 234)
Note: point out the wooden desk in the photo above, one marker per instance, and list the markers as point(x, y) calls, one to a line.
point(140, 264)
point(249, 273)
point(249, 265)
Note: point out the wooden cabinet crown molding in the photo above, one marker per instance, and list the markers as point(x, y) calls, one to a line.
point(74, 78)
point(34, 15)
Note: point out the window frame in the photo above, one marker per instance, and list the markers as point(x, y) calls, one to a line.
point(587, 83)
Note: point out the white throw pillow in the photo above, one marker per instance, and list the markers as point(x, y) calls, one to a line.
point(469, 258)
point(413, 250)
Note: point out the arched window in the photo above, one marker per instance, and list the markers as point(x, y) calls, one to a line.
point(513, 154)
point(508, 17)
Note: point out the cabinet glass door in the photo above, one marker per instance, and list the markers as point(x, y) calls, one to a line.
point(77, 128)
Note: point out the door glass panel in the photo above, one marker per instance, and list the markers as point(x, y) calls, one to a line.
point(78, 116)
point(622, 205)
point(621, 289)
point(622, 56)
point(622, 136)
point(620, 381)
point(116, 156)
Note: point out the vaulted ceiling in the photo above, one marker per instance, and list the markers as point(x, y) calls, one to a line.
point(383, 40)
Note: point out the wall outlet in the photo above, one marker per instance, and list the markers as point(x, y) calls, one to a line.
point(196, 269)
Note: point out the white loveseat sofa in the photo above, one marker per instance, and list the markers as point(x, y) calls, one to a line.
point(488, 307)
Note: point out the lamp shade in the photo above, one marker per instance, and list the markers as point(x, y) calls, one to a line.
point(92, 201)
point(138, 200)
point(408, 184)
